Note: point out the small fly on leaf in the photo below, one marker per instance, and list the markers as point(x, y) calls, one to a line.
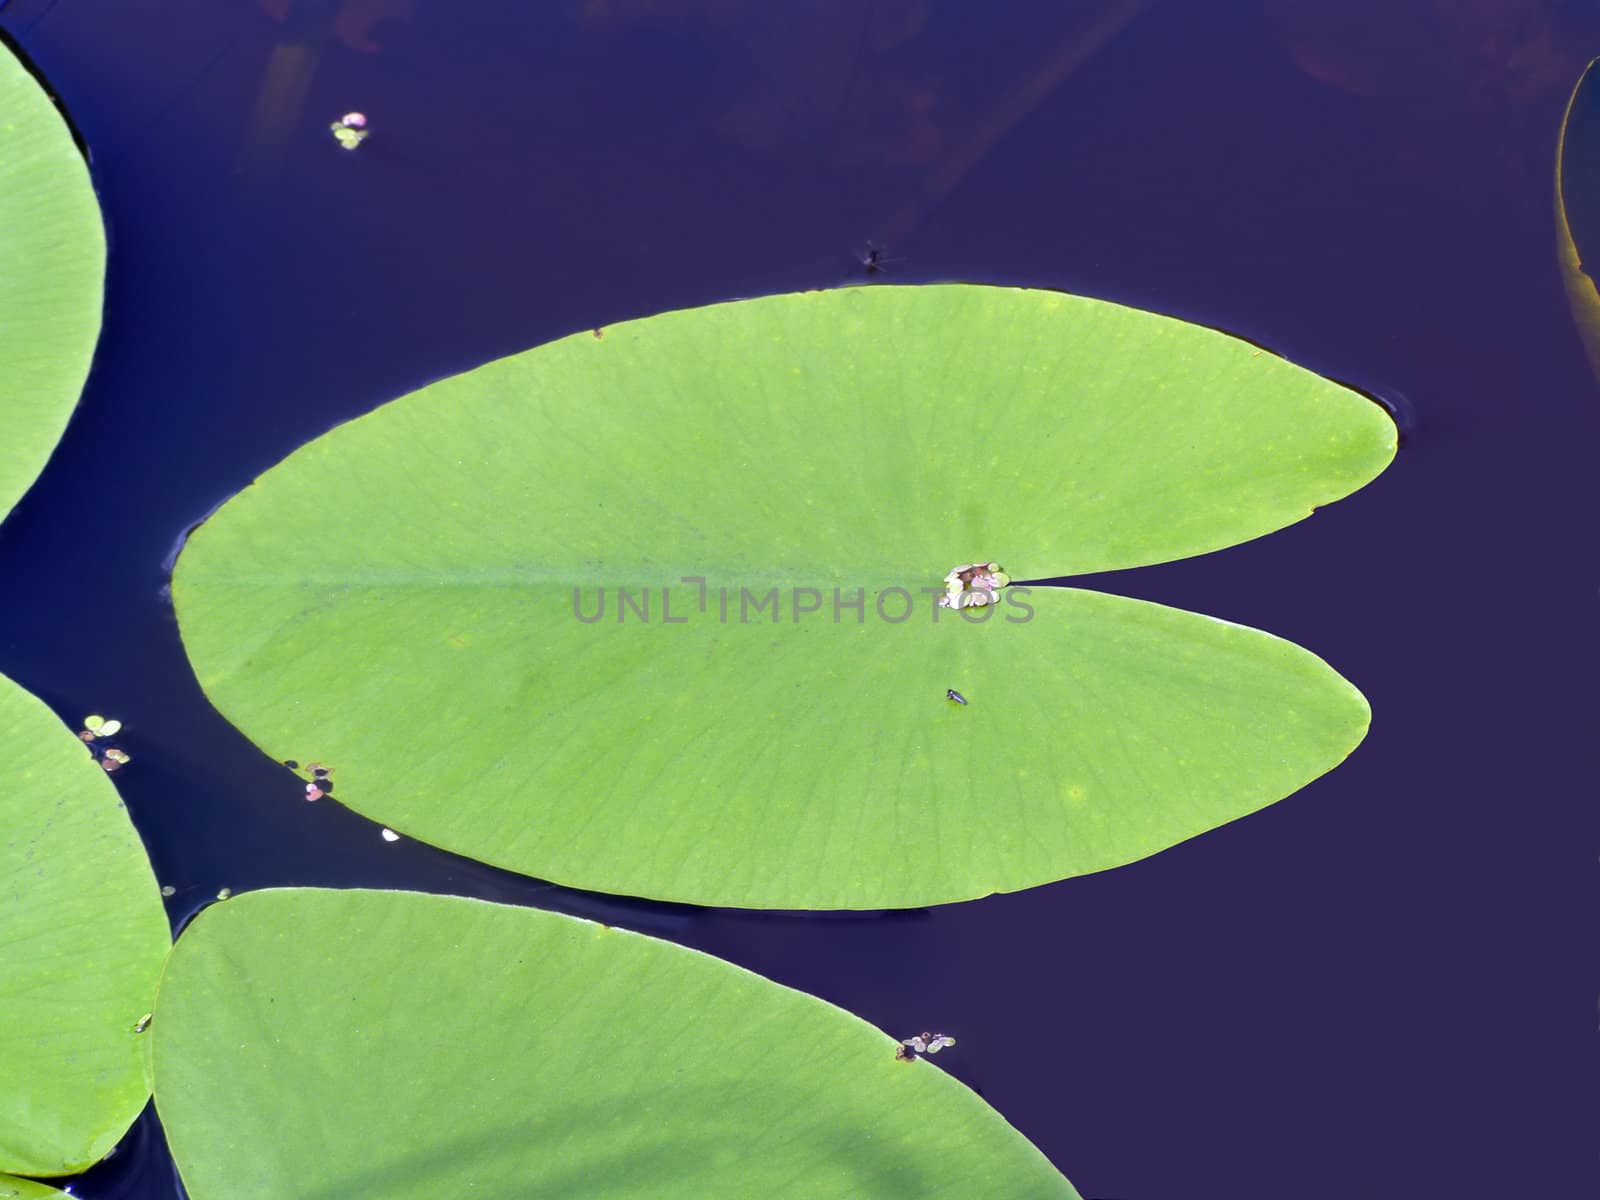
point(952, 694)
point(143, 1023)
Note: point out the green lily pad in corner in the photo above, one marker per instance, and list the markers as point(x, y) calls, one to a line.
point(52, 267)
point(12, 1188)
point(82, 937)
point(413, 598)
point(1578, 207)
point(323, 1044)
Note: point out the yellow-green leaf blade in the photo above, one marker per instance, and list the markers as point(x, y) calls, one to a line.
point(320, 1044)
point(82, 937)
point(397, 598)
point(12, 1188)
point(52, 267)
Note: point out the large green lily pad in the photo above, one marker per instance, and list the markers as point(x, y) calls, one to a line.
point(401, 598)
point(324, 1044)
point(52, 266)
point(1578, 207)
point(82, 937)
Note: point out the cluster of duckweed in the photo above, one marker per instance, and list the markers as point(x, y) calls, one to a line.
point(320, 784)
point(97, 733)
point(972, 585)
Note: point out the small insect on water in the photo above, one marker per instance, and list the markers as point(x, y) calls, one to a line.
point(952, 694)
point(923, 1043)
point(874, 260)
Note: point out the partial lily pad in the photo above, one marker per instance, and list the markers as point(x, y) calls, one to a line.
point(326, 1044)
point(12, 1188)
point(52, 267)
point(414, 598)
point(82, 938)
point(1578, 207)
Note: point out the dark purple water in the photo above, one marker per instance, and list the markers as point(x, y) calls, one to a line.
point(1383, 986)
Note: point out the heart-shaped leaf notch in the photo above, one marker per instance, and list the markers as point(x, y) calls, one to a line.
point(667, 608)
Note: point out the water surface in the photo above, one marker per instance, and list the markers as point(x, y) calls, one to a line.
point(1378, 986)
